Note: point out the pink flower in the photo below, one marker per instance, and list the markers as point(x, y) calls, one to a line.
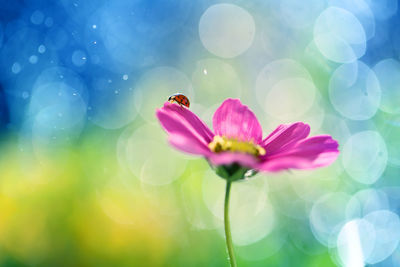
point(237, 150)
point(237, 141)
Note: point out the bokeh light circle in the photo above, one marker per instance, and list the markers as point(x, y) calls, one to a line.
point(79, 58)
point(112, 104)
point(354, 91)
point(355, 242)
point(64, 75)
point(388, 74)
point(279, 79)
point(58, 105)
point(16, 68)
point(391, 135)
point(37, 17)
point(15, 52)
point(41, 49)
point(155, 169)
point(365, 156)
point(362, 11)
point(311, 185)
point(383, 9)
point(327, 216)
point(387, 229)
point(213, 81)
point(57, 111)
point(366, 201)
point(33, 59)
point(160, 82)
point(336, 127)
point(290, 98)
point(339, 35)
point(226, 30)
point(49, 22)
point(275, 71)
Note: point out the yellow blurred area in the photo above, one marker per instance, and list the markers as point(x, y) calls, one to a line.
point(77, 207)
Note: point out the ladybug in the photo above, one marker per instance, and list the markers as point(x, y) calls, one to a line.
point(181, 99)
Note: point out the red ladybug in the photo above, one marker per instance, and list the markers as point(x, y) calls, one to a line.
point(181, 99)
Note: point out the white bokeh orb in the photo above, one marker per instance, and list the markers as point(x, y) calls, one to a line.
point(388, 73)
point(361, 10)
point(214, 80)
point(354, 91)
point(365, 156)
point(339, 35)
point(154, 169)
point(327, 217)
point(355, 242)
point(290, 98)
point(387, 228)
point(226, 30)
point(366, 201)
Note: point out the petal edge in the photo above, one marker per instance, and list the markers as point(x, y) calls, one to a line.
point(235, 120)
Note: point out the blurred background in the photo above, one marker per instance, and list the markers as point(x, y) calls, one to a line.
point(87, 177)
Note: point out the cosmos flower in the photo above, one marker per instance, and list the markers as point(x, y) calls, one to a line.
point(236, 145)
point(236, 148)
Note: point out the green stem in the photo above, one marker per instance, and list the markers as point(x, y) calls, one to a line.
point(228, 235)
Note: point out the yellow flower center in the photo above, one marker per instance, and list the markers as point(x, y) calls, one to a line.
point(222, 143)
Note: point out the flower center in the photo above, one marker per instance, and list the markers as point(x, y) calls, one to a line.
point(222, 143)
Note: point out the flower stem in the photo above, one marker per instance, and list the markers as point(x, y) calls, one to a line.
point(228, 235)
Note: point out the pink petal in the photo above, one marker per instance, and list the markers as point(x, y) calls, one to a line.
point(188, 145)
point(227, 158)
point(180, 123)
point(284, 137)
point(234, 120)
point(188, 116)
point(309, 153)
